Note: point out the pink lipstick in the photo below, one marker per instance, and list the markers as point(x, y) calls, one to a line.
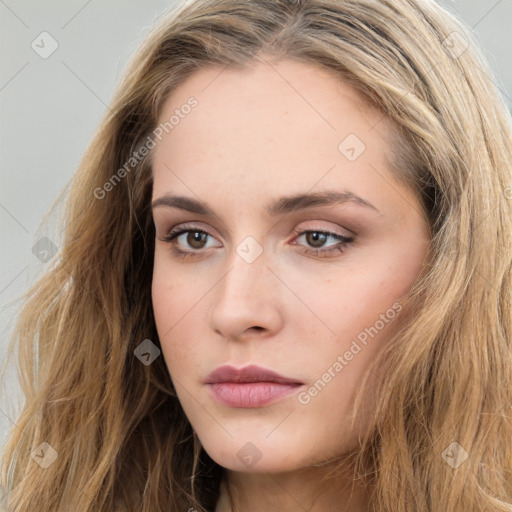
point(249, 387)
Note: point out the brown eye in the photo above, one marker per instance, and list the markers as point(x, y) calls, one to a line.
point(315, 243)
point(190, 240)
point(316, 238)
point(196, 239)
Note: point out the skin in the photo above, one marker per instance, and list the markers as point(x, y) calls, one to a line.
point(257, 134)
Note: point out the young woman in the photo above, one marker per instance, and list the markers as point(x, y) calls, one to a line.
point(285, 276)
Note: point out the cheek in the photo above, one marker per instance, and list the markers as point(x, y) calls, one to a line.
point(175, 306)
point(377, 283)
point(167, 309)
point(356, 311)
point(351, 301)
point(162, 293)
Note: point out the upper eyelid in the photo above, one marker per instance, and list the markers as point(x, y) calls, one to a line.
point(338, 222)
point(198, 225)
point(186, 227)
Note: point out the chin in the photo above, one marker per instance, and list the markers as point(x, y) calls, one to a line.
point(257, 454)
point(248, 458)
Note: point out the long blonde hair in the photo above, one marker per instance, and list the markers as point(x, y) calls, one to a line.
point(441, 434)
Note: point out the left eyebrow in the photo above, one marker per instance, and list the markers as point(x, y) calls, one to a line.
point(279, 206)
point(327, 198)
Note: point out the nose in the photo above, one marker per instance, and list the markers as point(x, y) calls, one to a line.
point(247, 301)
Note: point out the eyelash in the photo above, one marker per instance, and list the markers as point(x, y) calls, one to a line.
point(338, 248)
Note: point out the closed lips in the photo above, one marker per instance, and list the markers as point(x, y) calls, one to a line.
point(249, 387)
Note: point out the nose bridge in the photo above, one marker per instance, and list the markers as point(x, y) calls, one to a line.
point(246, 297)
point(247, 270)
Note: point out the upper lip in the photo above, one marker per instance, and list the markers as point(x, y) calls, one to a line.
point(251, 373)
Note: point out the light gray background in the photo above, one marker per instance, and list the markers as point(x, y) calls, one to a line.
point(51, 108)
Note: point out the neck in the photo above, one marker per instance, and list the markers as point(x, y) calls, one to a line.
point(305, 490)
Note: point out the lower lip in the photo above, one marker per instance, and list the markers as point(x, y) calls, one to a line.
point(251, 394)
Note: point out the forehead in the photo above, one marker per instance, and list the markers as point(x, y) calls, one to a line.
point(265, 90)
point(286, 123)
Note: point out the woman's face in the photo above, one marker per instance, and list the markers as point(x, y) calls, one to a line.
point(296, 247)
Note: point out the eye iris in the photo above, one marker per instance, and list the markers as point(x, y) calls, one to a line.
point(196, 239)
point(316, 239)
